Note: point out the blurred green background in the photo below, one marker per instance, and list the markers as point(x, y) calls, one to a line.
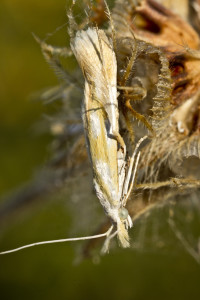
point(49, 272)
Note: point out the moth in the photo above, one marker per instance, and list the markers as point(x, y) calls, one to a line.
point(113, 171)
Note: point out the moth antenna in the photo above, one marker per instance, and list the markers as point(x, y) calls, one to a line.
point(59, 241)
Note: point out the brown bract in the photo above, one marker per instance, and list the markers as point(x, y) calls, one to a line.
point(159, 26)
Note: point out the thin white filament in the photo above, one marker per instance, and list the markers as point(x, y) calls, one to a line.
point(134, 173)
point(128, 177)
point(58, 241)
point(105, 248)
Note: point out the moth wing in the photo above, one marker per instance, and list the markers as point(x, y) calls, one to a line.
point(95, 55)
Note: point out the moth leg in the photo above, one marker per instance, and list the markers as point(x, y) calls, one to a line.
point(134, 93)
point(129, 127)
point(119, 139)
point(137, 115)
point(110, 236)
point(138, 94)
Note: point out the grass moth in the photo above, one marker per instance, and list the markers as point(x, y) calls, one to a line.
point(112, 181)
